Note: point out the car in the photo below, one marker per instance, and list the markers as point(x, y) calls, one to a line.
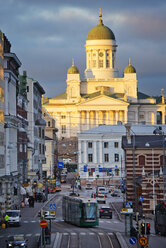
point(101, 198)
point(16, 241)
point(115, 193)
point(88, 186)
point(14, 217)
point(105, 211)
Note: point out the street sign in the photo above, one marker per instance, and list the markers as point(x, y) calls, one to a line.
point(128, 204)
point(124, 209)
point(52, 206)
point(141, 198)
point(60, 165)
point(43, 223)
point(133, 240)
point(143, 241)
point(52, 212)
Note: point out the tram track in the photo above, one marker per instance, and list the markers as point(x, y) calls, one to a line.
point(116, 211)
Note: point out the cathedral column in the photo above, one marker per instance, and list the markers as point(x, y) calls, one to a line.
point(68, 124)
point(107, 118)
point(97, 118)
point(125, 116)
point(87, 119)
point(111, 117)
point(105, 56)
point(163, 117)
point(116, 117)
point(97, 58)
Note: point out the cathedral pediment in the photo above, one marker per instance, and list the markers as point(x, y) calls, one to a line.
point(103, 100)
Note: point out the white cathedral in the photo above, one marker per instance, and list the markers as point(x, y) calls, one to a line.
point(102, 97)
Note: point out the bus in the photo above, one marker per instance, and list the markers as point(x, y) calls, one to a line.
point(58, 185)
point(160, 218)
point(51, 186)
point(80, 211)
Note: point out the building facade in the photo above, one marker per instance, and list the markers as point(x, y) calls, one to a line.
point(2, 138)
point(22, 108)
point(36, 130)
point(145, 163)
point(102, 97)
point(100, 154)
point(51, 146)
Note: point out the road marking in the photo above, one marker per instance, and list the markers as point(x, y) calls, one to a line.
point(116, 222)
point(101, 221)
point(37, 234)
point(33, 221)
point(110, 234)
point(1, 237)
point(91, 233)
point(101, 233)
point(25, 221)
point(65, 234)
point(108, 222)
point(82, 233)
point(73, 233)
point(28, 235)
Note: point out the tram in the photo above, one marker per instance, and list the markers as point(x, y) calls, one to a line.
point(51, 186)
point(58, 185)
point(80, 211)
point(160, 218)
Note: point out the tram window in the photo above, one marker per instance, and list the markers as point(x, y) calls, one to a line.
point(89, 211)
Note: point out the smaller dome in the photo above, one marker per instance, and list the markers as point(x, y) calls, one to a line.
point(129, 68)
point(73, 69)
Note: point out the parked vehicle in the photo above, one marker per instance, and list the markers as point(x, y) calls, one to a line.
point(16, 241)
point(14, 217)
point(160, 219)
point(85, 211)
point(116, 193)
point(105, 212)
point(88, 186)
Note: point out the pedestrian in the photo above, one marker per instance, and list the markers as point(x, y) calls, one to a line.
point(47, 235)
point(26, 201)
point(6, 219)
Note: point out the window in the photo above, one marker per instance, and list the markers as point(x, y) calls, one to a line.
point(49, 124)
point(106, 157)
point(107, 63)
point(90, 157)
point(105, 144)
point(42, 133)
point(63, 117)
point(94, 63)
point(39, 148)
point(100, 63)
point(39, 132)
point(63, 128)
point(43, 149)
point(116, 144)
point(89, 144)
point(116, 156)
point(116, 172)
point(27, 88)
point(142, 160)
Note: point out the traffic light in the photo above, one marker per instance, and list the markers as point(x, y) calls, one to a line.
point(147, 228)
point(143, 228)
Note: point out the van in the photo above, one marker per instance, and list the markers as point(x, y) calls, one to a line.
point(14, 217)
point(102, 190)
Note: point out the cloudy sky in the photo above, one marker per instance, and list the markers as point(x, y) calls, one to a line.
point(47, 34)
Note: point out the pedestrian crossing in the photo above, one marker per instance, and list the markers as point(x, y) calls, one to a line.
point(58, 220)
point(28, 235)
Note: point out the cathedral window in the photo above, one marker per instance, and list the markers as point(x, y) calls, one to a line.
point(106, 157)
point(90, 157)
point(63, 117)
point(100, 63)
point(113, 60)
point(94, 63)
point(63, 127)
point(107, 63)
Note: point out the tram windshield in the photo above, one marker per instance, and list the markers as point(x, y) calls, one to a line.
point(90, 210)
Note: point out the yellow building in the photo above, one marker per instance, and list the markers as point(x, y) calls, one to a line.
point(102, 97)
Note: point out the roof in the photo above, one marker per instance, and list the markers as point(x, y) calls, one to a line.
point(121, 130)
point(106, 93)
point(100, 32)
point(141, 95)
point(129, 68)
point(73, 69)
point(144, 141)
point(61, 96)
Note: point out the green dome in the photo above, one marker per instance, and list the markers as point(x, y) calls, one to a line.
point(129, 68)
point(100, 32)
point(73, 69)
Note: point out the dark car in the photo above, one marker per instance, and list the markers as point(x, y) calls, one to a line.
point(106, 212)
point(16, 241)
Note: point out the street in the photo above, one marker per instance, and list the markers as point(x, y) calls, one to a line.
point(67, 235)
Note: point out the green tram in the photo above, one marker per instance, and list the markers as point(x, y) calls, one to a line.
point(80, 211)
